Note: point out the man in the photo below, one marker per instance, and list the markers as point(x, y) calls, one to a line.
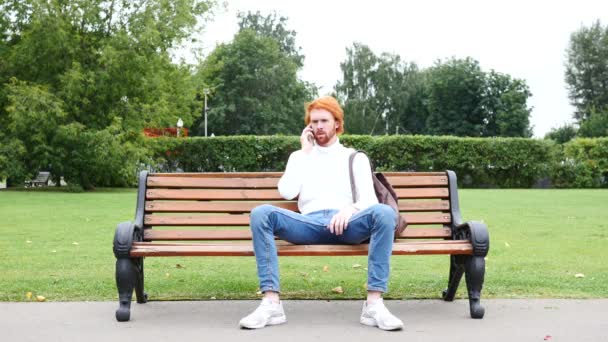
point(319, 174)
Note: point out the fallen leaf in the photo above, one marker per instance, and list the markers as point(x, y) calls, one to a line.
point(579, 275)
point(167, 275)
point(507, 244)
point(356, 266)
point(259, 293)
point(212, 298)
point(325, 268)
point(75, 243)
point(179, 266)
point(28, 295)
point(337, 290)
point(40, 298)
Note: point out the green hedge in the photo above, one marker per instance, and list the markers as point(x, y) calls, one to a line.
point(478, 162)
point(581, 163)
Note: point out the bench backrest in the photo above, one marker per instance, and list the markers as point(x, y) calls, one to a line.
point(218, 204)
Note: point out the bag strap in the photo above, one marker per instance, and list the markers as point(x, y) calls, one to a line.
point(353, 187)
point(351, 159)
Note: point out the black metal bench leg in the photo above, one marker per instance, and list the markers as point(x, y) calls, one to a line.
point(126, 277)
point(142, 297)
point(456, 271)
point(475, 267)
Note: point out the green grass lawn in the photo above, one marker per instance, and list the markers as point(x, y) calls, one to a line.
point(59, 245)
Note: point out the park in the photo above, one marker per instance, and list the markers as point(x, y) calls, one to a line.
point(117, 146)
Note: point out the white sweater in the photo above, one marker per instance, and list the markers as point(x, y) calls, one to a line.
point(322, 181)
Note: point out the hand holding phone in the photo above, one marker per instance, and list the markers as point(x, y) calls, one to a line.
point(307, 139)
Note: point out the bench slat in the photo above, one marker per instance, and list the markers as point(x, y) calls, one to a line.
point(269, 194)
point(270, 183)
point(273, 174)
point(243, 220)
point(214, 235)
point(141, 249)
point(245, 207)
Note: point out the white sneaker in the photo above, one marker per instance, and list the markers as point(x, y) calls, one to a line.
point(268, 313)
point(377, 315)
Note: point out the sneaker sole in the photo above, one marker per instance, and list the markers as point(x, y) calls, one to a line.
point(372, 323)
point(272, 321)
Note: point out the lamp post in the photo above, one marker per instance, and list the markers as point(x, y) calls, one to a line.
point(206, 91)
point(180, 124)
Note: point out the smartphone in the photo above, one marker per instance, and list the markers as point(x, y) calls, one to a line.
point(311, 137)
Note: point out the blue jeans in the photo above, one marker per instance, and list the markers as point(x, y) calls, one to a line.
point(376, 223)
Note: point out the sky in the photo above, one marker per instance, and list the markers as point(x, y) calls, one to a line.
point(525, 39)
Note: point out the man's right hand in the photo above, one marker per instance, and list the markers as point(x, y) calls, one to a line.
point(306, 139)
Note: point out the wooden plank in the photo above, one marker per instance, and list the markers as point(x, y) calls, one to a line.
point(219, 174)
point(412, 174)
point(274, 174)
point(190, 194)
point(416, 205)
point(245, 207)
point(423, 193)
point(272, 182)
point(140, 249)
point(413, 181)
point(218, 183)
point(216, 235)
point(269, 194)
point(243, 220)
point(212, 207)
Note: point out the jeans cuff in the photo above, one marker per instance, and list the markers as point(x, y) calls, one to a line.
point(371, 288)
point(270, 288)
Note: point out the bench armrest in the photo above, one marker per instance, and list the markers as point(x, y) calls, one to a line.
point(476, 233)
point(126, 233)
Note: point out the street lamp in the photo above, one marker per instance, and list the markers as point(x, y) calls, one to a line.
point(180, 124)
point(206, 91)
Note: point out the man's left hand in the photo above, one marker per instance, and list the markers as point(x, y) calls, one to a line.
point(338, 223)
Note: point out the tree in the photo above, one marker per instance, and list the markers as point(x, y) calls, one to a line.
point(273, 27)
point(90, 64)
point(255, 86)
point(464, 100)
point(587, 73)
point(456, 98)
point(505, 103)
point(595, 126)
point(379, 92)
point(562, 134)
point(34, 117)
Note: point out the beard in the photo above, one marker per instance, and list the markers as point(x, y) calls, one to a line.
point(324, 137)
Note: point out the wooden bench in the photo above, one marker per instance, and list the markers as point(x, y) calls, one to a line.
point(220, 203)
point(41, 180)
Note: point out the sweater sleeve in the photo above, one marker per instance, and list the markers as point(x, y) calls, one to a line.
point(366, 196)
point(291, 181)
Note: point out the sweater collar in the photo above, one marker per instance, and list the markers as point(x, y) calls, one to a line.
point(331, 148)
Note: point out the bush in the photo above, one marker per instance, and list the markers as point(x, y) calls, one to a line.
point(582, 163)
point(479, 162)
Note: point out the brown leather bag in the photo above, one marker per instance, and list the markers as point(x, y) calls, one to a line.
point(384, 192)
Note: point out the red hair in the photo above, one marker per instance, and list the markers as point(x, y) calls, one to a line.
point(331, 105)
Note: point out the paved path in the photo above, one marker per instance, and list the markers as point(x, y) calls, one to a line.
point(425, 320)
